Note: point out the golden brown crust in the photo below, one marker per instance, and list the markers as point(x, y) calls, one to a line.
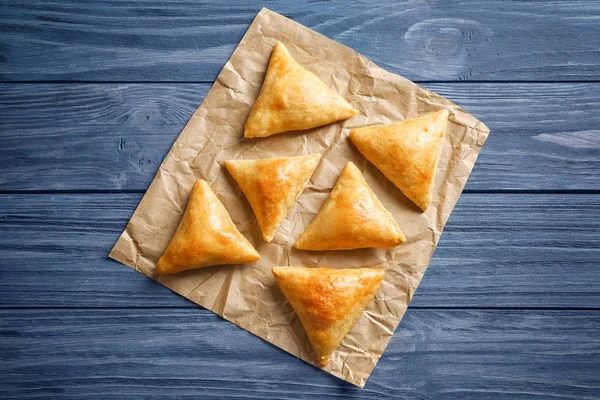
point(206, 236)
point(272, 186)
point(406, 152)
point(351, 218)
point(292, 98)
point(328, 301)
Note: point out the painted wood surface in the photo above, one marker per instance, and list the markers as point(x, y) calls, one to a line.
point(498, 250)
point(435, 354)
point(190, 40)
point(92, 95)
point(114, 136)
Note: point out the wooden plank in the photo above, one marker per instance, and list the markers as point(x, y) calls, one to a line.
point(498, 250)
point(82, 137)
point(449, 354)
point(114, 137)
point(189, 40)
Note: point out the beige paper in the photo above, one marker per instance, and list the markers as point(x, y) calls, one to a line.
point(247, 295)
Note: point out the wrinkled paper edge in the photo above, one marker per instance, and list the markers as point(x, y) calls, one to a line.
point(129, 251)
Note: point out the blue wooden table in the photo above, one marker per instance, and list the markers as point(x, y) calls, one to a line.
point(94, 93)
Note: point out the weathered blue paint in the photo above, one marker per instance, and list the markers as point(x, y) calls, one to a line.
point(508, 309)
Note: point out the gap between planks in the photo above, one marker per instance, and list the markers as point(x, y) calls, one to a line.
point(208, 82)
point(193, 305)
point(466, 191)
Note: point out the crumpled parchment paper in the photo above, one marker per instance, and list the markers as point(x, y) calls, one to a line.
point(247, 295)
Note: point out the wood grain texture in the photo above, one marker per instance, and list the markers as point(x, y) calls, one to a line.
point(114, 136)
point(449, 354)
point(189, 40)
point(498, 250)
point(99, 137)
point(74, 324)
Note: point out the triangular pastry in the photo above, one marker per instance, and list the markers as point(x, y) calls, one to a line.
point(272, 186)
point(206, 236)
point(351, 218)
point(293, 98)
point(406, 152)
point(328, 301)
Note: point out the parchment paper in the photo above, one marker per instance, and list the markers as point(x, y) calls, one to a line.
point(247, 295)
